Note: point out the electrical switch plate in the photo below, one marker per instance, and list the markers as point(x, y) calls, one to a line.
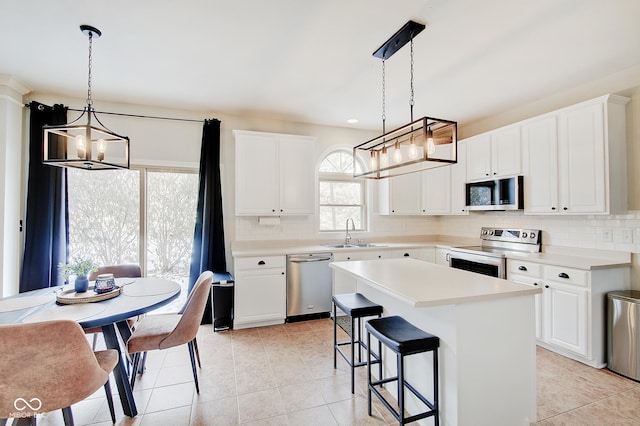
point(607, 234)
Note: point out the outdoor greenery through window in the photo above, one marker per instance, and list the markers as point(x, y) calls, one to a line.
point(111, 223)
point(341, 196)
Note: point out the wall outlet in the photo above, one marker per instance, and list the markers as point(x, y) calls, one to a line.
point(626, 236)
point(607, 234)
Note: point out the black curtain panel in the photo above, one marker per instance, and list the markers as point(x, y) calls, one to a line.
point(47, 220)
point(208, 238)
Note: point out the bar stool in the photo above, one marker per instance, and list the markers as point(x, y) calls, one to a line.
point(404, 339)
point(355, 306)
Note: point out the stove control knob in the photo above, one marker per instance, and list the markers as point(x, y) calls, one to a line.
point(523, 235)
point(491, 232)
point(532, 235)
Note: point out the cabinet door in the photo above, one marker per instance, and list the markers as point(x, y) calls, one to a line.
point(426, 254)
point(442, 257)
point(458, 180)
point(297, 176)
point(505, 152)
point(540, 143)
point(566, 317)
point(582, 160)
point(478, 157)
point(436, 191)
point(256, 174)
point(404, 194)
point(260, 296)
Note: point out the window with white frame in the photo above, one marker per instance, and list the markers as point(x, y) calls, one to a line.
point(341, 196)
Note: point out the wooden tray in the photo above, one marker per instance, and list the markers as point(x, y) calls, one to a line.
point(68, 297)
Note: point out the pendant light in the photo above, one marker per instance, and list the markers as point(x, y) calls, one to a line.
point(420, 145)
point(85, 146)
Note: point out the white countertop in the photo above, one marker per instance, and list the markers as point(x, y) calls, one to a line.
point(569, 257)
point(423, 284)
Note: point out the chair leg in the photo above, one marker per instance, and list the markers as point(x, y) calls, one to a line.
point(195, 346)
point(143, 364)
point(95, 341)
point(136, 360)
point(107, 391)
point(193, 365)
point(335, 339)
point(67, 415)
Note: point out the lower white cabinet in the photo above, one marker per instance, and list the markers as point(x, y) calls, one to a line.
point(571, 311)
point(260, 291)
point(441, 256)
point(427, 254)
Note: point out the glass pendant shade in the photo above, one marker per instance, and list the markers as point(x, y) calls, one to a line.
point(421, 145)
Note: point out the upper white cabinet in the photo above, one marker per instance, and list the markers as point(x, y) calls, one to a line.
point(437, 191)
point(575, 159)
point(494, 154)
point(275, 174)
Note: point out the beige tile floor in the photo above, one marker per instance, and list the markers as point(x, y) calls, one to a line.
point(283, 375)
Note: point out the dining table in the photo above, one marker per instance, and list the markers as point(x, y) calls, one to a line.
point(135, 296)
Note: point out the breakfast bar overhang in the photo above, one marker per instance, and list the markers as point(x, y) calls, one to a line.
point(486, 327)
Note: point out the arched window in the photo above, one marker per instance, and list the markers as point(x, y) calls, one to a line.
point(341, 196)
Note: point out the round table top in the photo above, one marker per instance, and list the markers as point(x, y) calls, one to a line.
point(139, 295)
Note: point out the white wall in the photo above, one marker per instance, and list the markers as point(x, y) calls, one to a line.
point(178, 144)
point(11, 112)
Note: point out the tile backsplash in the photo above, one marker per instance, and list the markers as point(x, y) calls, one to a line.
point(614, 232)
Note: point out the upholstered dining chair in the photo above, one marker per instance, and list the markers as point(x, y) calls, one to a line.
point(169, 330)
point(46, 366)
point(125, 270)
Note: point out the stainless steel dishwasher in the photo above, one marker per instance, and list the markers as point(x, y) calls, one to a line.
point(309, 285)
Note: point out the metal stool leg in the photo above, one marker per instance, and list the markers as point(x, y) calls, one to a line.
point(369, 372)
point(335, 339)
point(353, 369)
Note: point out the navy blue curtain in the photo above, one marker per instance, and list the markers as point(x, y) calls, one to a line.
point(47, 220)
point(208, 237)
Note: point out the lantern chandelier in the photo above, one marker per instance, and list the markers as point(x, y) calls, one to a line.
point(420, 145)
point(85, 146)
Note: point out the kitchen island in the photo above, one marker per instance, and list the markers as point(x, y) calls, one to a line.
point(486, 327)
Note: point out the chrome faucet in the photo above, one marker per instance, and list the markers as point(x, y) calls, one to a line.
point(347, 236)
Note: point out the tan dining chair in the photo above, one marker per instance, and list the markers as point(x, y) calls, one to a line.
point(46, 366)
point(169, 330)
point(125, 270)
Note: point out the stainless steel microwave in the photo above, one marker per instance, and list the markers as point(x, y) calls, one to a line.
point(497, 194)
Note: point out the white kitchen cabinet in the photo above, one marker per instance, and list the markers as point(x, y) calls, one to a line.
point(275, 174)
point(575, 159)
point(400, 195)
point(565, 309)
point(458, 181)
point(494, 154)
point(570, 312)
point(260, 291)
point(436, 191)
point(427, 254)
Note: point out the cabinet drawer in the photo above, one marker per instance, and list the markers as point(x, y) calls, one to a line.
point(523, 268)
point(566, 275)
point(262, 262)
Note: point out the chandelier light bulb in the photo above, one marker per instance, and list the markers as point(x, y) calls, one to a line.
point(101, 148)
point(372, 161)
point(413, 150)
point(431, 146)
point(384, 158)
point(397, 154)
point(80, 146)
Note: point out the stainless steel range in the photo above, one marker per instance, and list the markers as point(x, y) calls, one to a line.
point(490, 258)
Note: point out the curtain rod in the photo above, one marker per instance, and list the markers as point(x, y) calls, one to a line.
point(136, 115)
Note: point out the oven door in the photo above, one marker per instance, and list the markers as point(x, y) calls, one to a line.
point(479, 263)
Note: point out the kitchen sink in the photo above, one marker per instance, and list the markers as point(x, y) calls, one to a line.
point(361, 245)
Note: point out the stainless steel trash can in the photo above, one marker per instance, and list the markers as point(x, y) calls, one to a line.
point(222, 301)
point(623, 337)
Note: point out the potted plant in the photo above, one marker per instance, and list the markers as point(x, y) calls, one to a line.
point(81, 268)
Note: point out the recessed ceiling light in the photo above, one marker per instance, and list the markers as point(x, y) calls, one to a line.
point(352, 120)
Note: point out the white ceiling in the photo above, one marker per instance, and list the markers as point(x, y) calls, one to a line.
point(311, 60)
